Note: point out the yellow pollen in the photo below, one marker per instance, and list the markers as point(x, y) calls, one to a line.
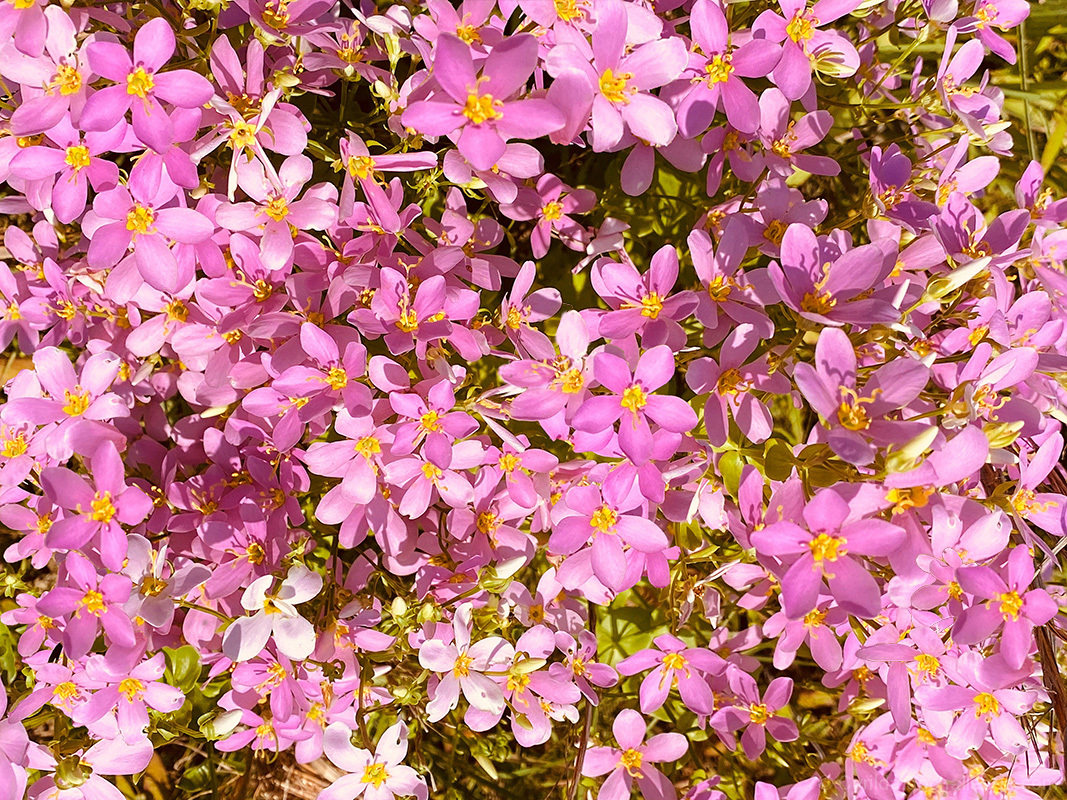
point(1010, 605)
point(651, 305)
point(337, 378)
point(368, 446)
point(468, 33)
point(514, 318)
point(552, 210)
point(140, 219)
point(408, 322)
point(604, 519)
point(985, 703)
point(151, 586)
point(903, 499)
point(536, 613)
point(955, 591)
point(243, 135)
point(813, 619)
point(103, 509)
point(93, 602)
point(730, 382)
point(68, 690)
point(270, 604)
point(634, 398)
point(360, 166)
point(431, 472)
point(277, 208)
point(255, 553)
point(614, 87)
point(509, 462)
point(376, 774)
point(29, 141)
point(67, 79)
point(479, 109)
point(177, 311)
point(718, 70)
point(758, 714)
point(1024, 502)
point(860, 753)
point(818, 302)
point(927, 663)
point(926, 737)
point(77, 157)
point(139, 83)
point(720, 288)
point(827, 548)
point(518, 681)
point(800, 28)
point(572, 381)
point(462, 667)
point(77, 404)
point(851, 413)
point(567, 10)
point(15, 446)
point(276, 14)
point(132, 688)
point(631, 760)
point(775, 230)
point(675, 661)
point(430, 421)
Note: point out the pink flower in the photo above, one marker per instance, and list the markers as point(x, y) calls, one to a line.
point(376, 776)
point(633, 760)
point(276, 616)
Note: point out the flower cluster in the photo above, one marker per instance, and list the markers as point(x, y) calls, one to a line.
point(670, 387)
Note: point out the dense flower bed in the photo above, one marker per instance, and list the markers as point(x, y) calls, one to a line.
point(530, 397)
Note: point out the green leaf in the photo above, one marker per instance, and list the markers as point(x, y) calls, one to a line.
point(183, 667)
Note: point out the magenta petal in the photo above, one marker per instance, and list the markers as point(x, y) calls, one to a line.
point(154, 44)
point(104, 108)
point(184, 225)
point(481, 145)
point(184, 88)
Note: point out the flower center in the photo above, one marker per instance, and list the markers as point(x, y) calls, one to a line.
point(651, 305)
point(479, 109)
point(903, 499)
point(775, 231)
point(337, 378)
point(15, 446)
point(462, 667)
point(430, 421)
point(631, 760)
point(758, 714)
point(139, 83)
point(77, 157)
point(243, 135)
point(360, 166)
point(103, 508)
point(729, 382)
point(818, 302)
point(634, 398)
point(77, 404)
point(567, 10)
point(68, 80)
point(720, 288)
point(376, 774)
point(277, 208)
point(93, 602)
point(552, 210)
point(151, 586)
point(432, 473)
point(604, 519)
point(614, 86)
point(985, 703)
point(927, 663)
point(814, 619)
point(675, 661)
point(140, 219)
point(826, 548)
point(409, 321)
point(132, 688)
point(368, 446)
point(571, 381)
point(1010, 605)
point(800, 27)
point(718, 70)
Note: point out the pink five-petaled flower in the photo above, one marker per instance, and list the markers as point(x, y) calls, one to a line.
point(633, 401)
point(986, 704)
point(829, 287)
point(80, 776)
point(141, 85)
point(1010, 605)
point(275, 615)
point(632, 759)
point(97, 514)
point(133, 214)
point(129, 693)
point(757, 716)
point(375, 776)
point(91, 601)
point(599, 513)
point(673, 663)
point(822, 552)
point(462, 666)
point(481, 105)
point(719, 72)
